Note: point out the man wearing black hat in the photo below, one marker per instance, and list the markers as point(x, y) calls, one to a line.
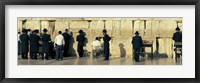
point(46, 38)
point(67, 39)
point(34, 44)
point(177, 37)
point(80, 39)
point(106, 46)
point(24, 41)
point(137, 44)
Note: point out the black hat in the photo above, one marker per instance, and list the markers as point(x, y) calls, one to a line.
point(60, 32)
point(137, 32)
point(104, 31)
point(66, 30)
point(45, 30)
point(29, 30)
point(80, 31)
point(97, 38)
point(177, 29)
point(24, 30)
point(36, 31)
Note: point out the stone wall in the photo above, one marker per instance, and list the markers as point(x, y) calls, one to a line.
point(120, 29)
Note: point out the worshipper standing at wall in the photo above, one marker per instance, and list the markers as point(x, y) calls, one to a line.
point(34, 44)
point(59, 43)
point(137, 44)
point(24, 43)
point(46, 39)
point(106, 45)
point(177, 37)
point(67, 38)
point(96, 47)
point(80, 39)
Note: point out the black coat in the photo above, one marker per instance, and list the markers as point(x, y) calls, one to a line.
point(106, 40)
point(106, 46)
point(67, 38)
point(81, 40)
point(24, 39)
point(34, 42)
point(177, 37)
point(45, 42)
point(137, 42)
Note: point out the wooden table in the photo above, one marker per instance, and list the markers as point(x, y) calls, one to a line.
point(148, 44)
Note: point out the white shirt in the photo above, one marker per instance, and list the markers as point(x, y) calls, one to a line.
point(59, 40)
point(96, 45)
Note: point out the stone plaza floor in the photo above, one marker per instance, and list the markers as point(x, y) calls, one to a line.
point(100, 61)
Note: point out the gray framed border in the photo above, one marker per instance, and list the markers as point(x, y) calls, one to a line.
point(3, 3)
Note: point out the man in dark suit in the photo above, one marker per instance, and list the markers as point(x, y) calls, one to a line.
point(177, 37)
point(80, 39)
point(137, 44)
point(67, 40)
point(24, 42)
point(46, 38)
point(106, 46)
point(34, 44)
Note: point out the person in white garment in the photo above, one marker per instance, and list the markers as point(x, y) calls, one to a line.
point(59, 43)
point(96, 47)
